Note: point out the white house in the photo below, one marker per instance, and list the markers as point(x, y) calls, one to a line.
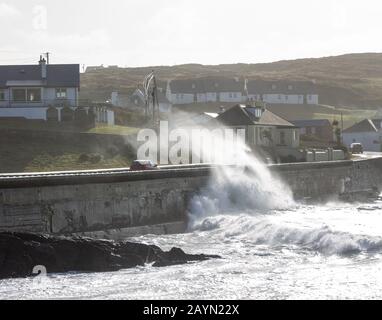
point(29, 90)
point(282, 92)
point(368, 132)
point(235, 90)
point(204, 90)
point(46, 92)
point(263, 128)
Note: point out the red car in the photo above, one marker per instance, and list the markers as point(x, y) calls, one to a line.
point(139, 165)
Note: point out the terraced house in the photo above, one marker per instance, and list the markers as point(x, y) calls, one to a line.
point(204, 90)
point(237, 90)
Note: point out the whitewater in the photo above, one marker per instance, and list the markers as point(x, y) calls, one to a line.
point(271, 247)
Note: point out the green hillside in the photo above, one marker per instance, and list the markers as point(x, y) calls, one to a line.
point(352, 81)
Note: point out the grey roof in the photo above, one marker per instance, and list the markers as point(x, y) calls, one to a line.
point(207, 84)
point(367, 125)
point(243, 115)
point(281, 87)
point(312, 123)
point(58, 75)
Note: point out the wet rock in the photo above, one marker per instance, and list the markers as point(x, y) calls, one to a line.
point(21, 252)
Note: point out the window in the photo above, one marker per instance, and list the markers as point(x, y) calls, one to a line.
point(27, 95)
point(2, 95)
point(19, 95)
point(61, 93)
point(33, 95)
point(282, 138)
point(235, 95)
point(230, 95)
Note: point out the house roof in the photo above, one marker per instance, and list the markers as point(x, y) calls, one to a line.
point(58, 75)
point(311, 123)
point(280, 87)
point(367, 125)
point(243, 115)
point(207, 84)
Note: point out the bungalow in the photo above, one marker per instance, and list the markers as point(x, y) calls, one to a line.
point(263, 128)
point(204, 90)
point(368, 132)
point(282, 92)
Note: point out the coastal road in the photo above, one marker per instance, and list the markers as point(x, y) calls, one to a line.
point(368, 155)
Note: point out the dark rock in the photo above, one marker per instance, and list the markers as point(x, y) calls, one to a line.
point(21, 252)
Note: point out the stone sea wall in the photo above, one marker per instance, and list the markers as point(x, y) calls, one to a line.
point(112, 202)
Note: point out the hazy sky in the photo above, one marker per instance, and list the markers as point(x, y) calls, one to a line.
point(168, 32)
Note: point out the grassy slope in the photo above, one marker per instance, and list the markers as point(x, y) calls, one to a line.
point(353, 80)
point(26, 153)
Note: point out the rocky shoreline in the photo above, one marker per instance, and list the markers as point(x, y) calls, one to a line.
point(20, 253)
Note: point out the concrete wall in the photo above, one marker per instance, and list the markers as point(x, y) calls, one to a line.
point(78, 203)
point(323, 180)
point(324, 155)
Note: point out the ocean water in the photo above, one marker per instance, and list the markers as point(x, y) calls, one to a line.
point(331, 251)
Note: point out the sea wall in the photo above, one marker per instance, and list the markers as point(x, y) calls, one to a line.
point(116, 201)
point(330, 179)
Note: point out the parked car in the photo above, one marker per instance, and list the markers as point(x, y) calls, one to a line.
point(139, 165)
point(356, 148)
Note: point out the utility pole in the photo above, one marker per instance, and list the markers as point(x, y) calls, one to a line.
point(47, 54)
point(342, 127)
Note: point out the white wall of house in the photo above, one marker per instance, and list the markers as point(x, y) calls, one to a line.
point(211, 96)
point(291, 137)
point(230, 96)
point(371, 141)
point(312, 98)
point(182, 98)
point(284, 98)
point(38, 113)
point(49, 95)
point(201, 97)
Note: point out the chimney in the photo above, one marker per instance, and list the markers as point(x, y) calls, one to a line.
point(42, 63)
